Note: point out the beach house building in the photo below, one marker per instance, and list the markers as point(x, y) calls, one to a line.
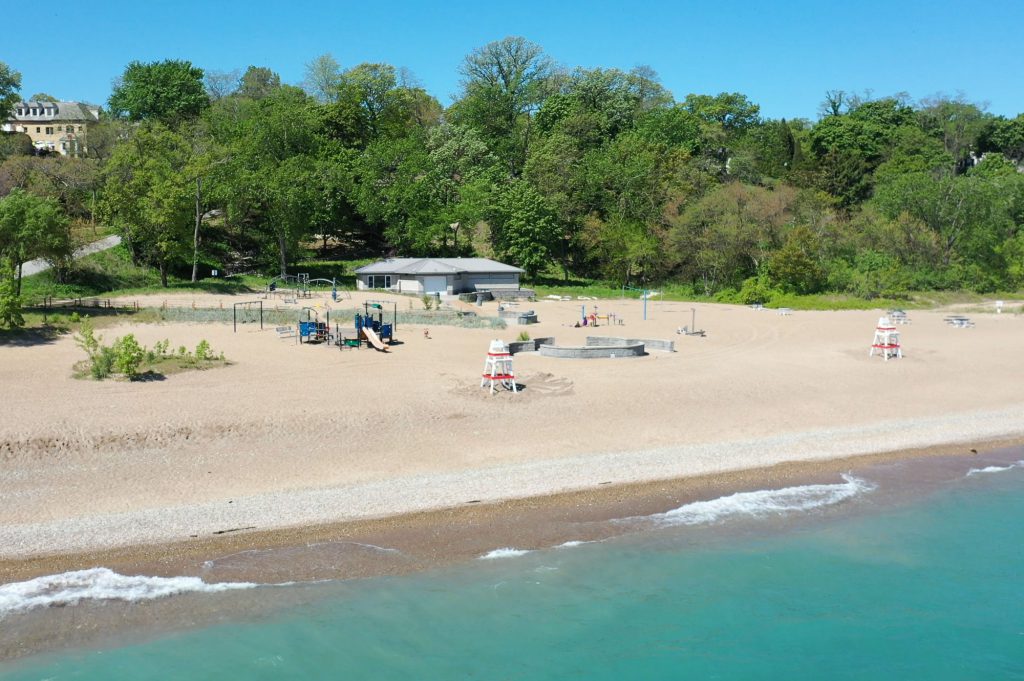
point(438, 275)
point(60, 127)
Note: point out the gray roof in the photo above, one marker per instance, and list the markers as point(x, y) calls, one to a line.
point(437, 266)
point(55, 111)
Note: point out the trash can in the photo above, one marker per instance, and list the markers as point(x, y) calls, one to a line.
point(479, 300)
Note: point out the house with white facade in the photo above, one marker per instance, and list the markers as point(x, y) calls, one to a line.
point(437, 275)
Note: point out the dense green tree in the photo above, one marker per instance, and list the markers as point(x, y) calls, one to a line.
point(257, 82)
point(10, 84)
point(796, 266)
point(731, 110)
point(1004, 136)
point(957, 123)
point(523, 228)
point(169, 91)
point(32, 227)
point(42, 97)
point(148, 197)
point(503, 85)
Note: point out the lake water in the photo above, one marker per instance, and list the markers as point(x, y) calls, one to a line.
point(888, 574)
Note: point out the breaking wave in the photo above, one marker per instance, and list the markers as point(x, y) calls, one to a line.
point(101, 584)
point(995, 469)
point(762, 503)
point(507, 552)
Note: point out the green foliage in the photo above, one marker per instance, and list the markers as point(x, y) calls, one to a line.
point(128, 356)
point(10, 301)
point(428, 302)
point(203, 351)
point(169, 91)
point(523, 336)
point(599, 172)
point(10, 83)
point(794, 267)
point(523, 228)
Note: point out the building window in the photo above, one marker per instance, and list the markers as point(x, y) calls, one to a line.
point(49, 131)
point(38, 129)
point(378, 281)
point(80, 128)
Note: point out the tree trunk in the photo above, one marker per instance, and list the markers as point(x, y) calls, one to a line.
point(163, 274)
point(19, 279)
point(283, 251)
point(199, 222)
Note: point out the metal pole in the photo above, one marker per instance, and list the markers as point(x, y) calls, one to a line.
point(645, 304)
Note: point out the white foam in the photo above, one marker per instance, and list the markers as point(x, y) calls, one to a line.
point(763, 503)
point(507, 552)
point(995, 469)
point(71, 588)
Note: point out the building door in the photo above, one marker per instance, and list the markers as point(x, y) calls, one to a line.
point(435, 284)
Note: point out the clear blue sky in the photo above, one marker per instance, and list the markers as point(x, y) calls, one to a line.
point(782, 55)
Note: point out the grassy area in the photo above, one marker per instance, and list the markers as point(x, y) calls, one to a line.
point(821, 301)
point(111, 273)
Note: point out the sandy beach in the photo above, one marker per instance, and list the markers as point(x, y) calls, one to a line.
point(293, 436)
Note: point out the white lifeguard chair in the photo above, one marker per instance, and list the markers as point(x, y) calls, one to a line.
point(498, 368)
point(887, 340)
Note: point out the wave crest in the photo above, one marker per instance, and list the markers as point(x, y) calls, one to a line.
point(995, 469)
point(506, 552)
point(71, 588)
point(763, 502)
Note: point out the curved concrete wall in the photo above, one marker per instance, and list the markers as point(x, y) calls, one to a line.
point(592, 351)
point(648, 343)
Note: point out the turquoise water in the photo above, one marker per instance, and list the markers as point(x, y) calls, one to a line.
point(932, 589)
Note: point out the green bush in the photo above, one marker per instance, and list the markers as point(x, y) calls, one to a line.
point(129, 355)
point(523, 336)
point(428, 302)
point(101, 365)
point(756, 290)
point(203, 351)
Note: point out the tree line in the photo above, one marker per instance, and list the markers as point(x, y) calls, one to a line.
point(564, 172)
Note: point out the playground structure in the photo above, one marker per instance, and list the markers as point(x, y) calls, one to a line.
point(594, 319)
point(247, 312)
point(498, 368)
point(886, 341)
point(311, 329)
point(374, 330)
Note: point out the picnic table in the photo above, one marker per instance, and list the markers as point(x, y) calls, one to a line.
point(959, 321)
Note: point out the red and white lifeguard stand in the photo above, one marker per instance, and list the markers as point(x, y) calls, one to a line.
point(887, 340)
point(498, 368)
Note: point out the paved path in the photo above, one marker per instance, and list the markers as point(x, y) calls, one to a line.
point(40, 265)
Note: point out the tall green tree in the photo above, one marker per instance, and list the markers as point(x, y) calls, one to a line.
point(10, 84)
point(32, 227)
point(148, 196)
point(523, 228)
point(169, 91)
point(503, 85)
point(257, 82)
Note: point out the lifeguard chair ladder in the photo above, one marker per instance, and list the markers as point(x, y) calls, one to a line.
point(887, 340)
point(498, 368)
